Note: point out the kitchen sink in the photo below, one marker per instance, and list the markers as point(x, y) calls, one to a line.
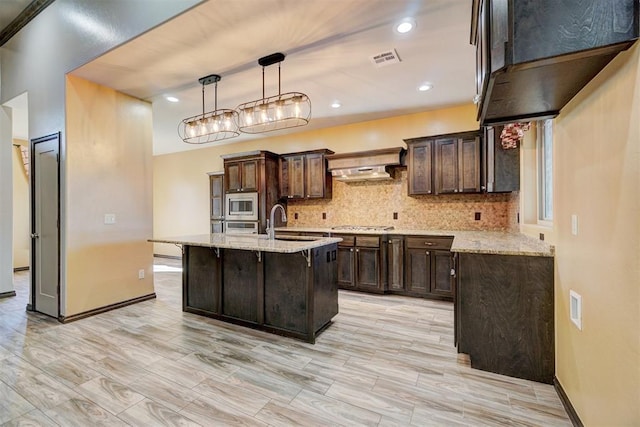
point(287, 238)
point(298, 238)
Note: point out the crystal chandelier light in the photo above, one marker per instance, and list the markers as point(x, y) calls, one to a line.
point(282, 111)
point(215, 125)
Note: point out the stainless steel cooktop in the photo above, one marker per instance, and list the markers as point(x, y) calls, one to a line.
point(363, 227)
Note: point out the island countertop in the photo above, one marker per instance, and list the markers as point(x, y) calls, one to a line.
point(249, 242)
point(487, 242)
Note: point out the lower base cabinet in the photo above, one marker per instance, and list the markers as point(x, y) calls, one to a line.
point(504, 314)
point(362, 263)
point(428, 266)
point(291, 294)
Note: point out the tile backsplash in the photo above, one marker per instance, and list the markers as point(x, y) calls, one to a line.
point(378, 202)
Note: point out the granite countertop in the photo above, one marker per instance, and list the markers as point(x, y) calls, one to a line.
point(483, 242)
point(249, 242)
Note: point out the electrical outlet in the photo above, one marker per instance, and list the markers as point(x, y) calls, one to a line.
point(574, 224)
point(295, 215)
point(324, 215)
point(109, 218)
point(541, 236)
point(141, 274)
point(477, 216)
point(395, 215)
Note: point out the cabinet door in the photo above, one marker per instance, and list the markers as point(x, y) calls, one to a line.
point(420, 155)
point(346, 260)
point(217, 196)
point(249, 176)
point(395, 256)
point(441, 273)
point(418, 270)
point(232, 177)
point(368, 268)
point(315, 176)
point(469, 165)
point(295, 166)
point(446, 165)
point(202, 283)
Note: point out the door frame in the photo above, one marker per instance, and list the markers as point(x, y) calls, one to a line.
point(31, 306)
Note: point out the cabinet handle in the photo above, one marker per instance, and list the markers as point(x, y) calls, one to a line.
point(429, 243)
point(357, 250)
point(308, 195)
point(455, 191)
point(429, 192)
point(351, 250)
point(291, 197)
point(427, 252)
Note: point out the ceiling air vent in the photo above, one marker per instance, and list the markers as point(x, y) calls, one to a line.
point(385, 58)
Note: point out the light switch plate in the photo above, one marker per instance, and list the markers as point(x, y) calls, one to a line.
point(575, 308)
point(110, 218)
point(574, 224)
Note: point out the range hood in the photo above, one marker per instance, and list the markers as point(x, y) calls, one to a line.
point(373, 165)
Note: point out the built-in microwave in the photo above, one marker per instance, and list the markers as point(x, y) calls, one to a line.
point(241, 207)
point(241, 227)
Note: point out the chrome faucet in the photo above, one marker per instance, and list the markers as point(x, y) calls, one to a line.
point(271, 232)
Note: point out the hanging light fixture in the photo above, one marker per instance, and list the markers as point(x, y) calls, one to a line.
point(285, 110)
point(213, 126)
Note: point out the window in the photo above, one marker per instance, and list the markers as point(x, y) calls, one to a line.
point(545, 171)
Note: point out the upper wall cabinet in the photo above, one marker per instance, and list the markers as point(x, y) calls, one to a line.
point(304, 175)
point(444, 164)
point(500, 166)
point(533, 56)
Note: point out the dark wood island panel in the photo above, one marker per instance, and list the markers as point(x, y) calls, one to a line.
point(291, 294)
point(505, 314)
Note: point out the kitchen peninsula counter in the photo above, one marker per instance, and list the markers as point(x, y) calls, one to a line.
point(284, 286)
point(480, 242)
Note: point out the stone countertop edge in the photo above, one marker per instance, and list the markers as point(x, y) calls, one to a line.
point(254, 242)
point(479, 242)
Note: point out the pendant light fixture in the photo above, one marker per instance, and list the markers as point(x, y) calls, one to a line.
point(213, 126)
point(282, 111)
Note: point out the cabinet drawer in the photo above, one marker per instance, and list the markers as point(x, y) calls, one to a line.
point(439, 242)
point(367, 241)
point(347, 240)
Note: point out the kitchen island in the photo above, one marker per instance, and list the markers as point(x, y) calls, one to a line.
point(287, 286)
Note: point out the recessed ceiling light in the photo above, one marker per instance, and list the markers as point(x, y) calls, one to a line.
point(406, 25)
point(171, 99)
point(336, 104)
point(425, 87)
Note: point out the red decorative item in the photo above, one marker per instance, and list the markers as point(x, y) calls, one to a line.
point(512, 134)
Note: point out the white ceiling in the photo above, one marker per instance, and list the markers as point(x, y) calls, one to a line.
point(328, 44)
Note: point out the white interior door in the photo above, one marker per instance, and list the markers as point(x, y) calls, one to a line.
point(45, 225)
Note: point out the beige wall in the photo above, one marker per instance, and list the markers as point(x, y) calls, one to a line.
point(181, 185)
point(108, 170)
point(597, 177)
point(21, 229)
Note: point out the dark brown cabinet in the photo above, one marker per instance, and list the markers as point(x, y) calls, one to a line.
point(395, 263)
point(428, 266)
point(419, 165)
point(500, 167)
point(304, 175)
point(216, 192)
point(254, 171)
point(457, 164)
point(444, 164)
point(241, 176)
point(504, 314)
point(362, 263)
point(534, 56)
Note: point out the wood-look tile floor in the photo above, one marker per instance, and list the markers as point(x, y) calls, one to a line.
point(386, 360)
